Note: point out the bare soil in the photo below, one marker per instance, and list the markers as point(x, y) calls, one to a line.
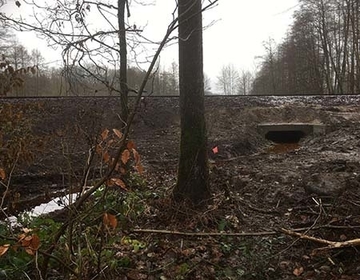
point(312, 187)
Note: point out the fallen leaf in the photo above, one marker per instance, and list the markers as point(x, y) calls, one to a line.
point(35, 242)
point(125, 156)
point(136, 156)
point(110, 220)
point(4, 248)
point(298, 271)
point(110, 183)
point(99, 149)
point(117, 133)
point(30, 251)
point(119, 182)
point(2, 174)
point(139, 168)
point(106, 157)
point(27, 230)
point(26, 242)
point(130, 145)
point(105, 134)
point(22, 236)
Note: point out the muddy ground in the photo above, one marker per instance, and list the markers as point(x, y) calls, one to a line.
point(312, 187)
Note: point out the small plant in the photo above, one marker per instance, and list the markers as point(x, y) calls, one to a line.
point(84, 242)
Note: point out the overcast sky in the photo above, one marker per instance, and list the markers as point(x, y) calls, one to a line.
point(237, 36)
point(239, 32)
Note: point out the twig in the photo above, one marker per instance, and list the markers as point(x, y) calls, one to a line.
point(197, 234)
point(64, 265)
point(306, 230)
point(330, 244)
point(5, 193)
point(306, 237)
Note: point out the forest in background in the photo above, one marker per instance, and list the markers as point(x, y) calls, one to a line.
point(71, 80)
point(319, 55)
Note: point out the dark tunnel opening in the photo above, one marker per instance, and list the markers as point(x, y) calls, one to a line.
point(285, 136)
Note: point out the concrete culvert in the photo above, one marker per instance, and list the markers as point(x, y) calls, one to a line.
point(289, 132)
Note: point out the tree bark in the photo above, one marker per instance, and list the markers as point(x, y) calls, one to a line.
point(193, 173)
point(124, 91)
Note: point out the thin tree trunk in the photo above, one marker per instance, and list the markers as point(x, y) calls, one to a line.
point(124, 91)
point(193, 173)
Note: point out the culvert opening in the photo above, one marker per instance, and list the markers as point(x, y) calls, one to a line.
point(285, 136)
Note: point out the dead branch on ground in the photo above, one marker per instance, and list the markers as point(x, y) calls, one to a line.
point(330, 244)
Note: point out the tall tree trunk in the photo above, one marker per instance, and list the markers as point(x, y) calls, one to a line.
point(193, 174)
point(323, 31)
point(124, 91)
point(356, 47)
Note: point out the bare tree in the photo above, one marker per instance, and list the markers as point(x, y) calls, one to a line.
point(207, 84)
point(245, 82)
point(229, 80)
point(174, 78)
point(15, 64)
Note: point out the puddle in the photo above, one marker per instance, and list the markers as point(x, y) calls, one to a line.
point(56, 203)
point(283, 148)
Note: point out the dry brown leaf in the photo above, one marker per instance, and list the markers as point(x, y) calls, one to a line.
point(117, 133)
point(110, 183)
point(106, 157)
point(298, 271)
point(105, 134)
point(130, 145)
point(110, 220)
point(35, 242)
point(136, 156)
point(125, 156)
point(4, 248)
point(99, 150)
point(30, 243)
point(2, 174)
point(30, 251)
point(26, 242)
point(119, 182)
point(21, 236)
point(110, 142)
point(139, 168)
point(27, 230)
